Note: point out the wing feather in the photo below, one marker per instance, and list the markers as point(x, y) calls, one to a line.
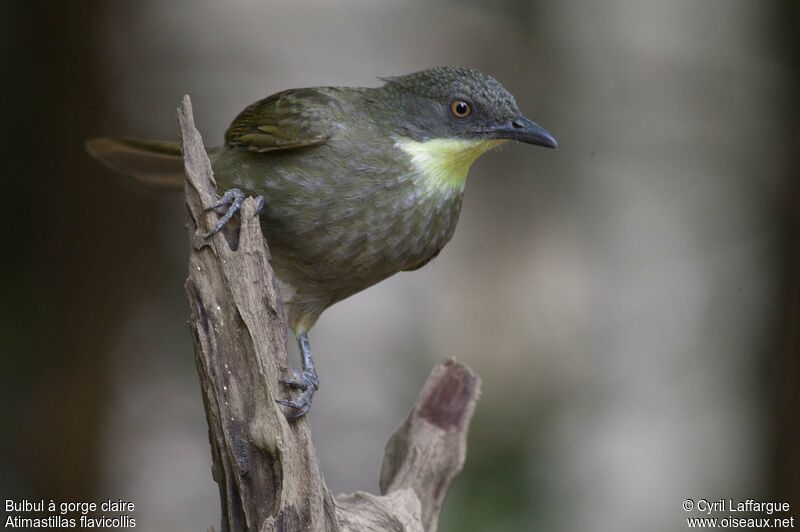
point(287, 120)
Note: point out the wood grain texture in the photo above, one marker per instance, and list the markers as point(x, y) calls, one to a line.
point(265, 466)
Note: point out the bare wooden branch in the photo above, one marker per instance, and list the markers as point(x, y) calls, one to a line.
point(266, 467)
point(422, 456)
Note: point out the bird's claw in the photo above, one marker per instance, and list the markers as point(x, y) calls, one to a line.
point(300, 409)
point(302, 380)
point(308, 383)
point(232, 201)
point(259, 204)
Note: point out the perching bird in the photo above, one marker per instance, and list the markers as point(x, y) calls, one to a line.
point(358, 183)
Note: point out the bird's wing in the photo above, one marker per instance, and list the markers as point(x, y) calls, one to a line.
point(287, 120)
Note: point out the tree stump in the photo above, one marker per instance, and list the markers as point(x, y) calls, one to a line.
point(266, 466)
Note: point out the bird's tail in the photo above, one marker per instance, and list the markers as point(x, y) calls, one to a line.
point(153, 162)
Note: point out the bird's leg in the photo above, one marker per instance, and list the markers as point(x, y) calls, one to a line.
point(306, 381)
point(232, 201)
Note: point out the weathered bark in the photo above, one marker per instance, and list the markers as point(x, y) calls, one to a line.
point(266, 467)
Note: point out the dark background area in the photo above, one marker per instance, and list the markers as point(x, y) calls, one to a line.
point(632, 301)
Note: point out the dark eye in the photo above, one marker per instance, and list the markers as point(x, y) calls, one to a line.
point(460, 108)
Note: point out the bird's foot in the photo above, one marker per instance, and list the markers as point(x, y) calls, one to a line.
point(308, 383)
point(231, 201)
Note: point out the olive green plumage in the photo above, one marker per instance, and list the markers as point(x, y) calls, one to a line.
point(342, 209)
point(359, 183)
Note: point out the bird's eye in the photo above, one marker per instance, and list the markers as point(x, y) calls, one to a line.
point(460, 108)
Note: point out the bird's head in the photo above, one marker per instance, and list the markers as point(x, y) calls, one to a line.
point(445, 117)
point(460, 103)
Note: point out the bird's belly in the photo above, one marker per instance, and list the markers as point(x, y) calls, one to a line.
point(345, 232)
point(359, 242)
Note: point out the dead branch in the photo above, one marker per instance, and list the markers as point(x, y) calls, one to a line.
point(266, 467)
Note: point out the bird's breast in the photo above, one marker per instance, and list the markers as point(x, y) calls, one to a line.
point(339, 219)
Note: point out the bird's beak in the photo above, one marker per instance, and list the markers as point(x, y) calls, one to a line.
point(524, 130)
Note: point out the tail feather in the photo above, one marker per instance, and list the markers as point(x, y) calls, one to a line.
point(153, 162)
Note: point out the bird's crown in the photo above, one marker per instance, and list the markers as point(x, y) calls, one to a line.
point(443, 82)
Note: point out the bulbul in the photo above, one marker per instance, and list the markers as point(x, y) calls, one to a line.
point(357, 183)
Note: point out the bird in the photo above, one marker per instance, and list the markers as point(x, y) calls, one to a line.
point(357, 184)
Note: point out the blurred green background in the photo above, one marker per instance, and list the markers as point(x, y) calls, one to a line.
point(632, 301)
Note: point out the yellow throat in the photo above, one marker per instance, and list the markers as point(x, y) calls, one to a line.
point(444, 162)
